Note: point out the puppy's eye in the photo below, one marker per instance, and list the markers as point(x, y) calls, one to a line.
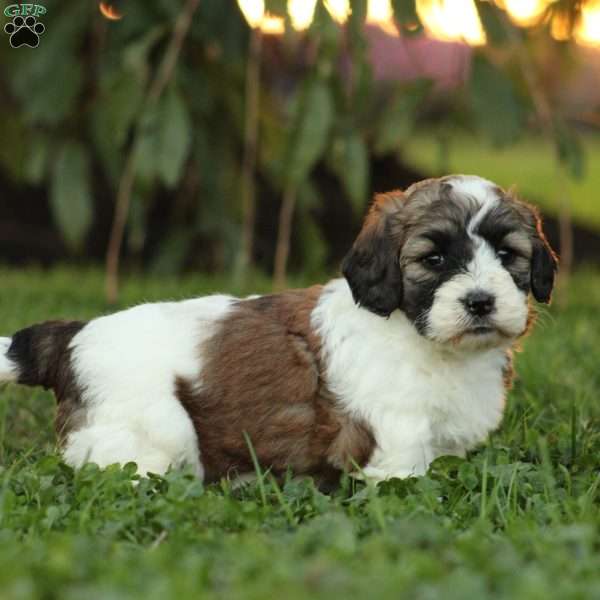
point(434, 261)
point(506, 255)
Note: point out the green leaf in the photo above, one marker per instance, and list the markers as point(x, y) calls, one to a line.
point(70, 194)
point(314, 247)
point(467, 475)
point(37, 159)
point(165, 139)
point(351, 164)
point(497, 110)
point(49, 85)
point(113, 113)
point(50, 98)
point(175, 138)
point(310, 131)
point(400, 115)
point(135, 54)
point(569, 150)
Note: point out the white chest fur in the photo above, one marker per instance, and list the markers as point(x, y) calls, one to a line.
point(420, 400)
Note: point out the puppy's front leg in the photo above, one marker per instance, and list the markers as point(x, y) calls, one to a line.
point(413, 462)
point(403, 450)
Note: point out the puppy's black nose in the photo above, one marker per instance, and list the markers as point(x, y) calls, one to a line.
point(479, 303)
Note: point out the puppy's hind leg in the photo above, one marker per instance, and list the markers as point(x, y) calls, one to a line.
point(109, 444)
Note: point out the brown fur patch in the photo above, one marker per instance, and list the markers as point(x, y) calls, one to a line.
point(263, 376)
point(508, 371)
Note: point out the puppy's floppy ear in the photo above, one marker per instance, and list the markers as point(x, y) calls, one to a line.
point(544, 262)
point(372, 266)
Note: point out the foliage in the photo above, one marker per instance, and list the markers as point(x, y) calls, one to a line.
point(71, 105)
point(496, 108)
point(520, 518)
point(527, 164)
point(310, 131)
point(70, 194)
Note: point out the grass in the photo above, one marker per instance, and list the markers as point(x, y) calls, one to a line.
point(519, 519)
point(530, 165)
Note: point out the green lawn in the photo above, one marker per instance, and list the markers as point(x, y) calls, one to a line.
point(530, 165)
point(519, 519)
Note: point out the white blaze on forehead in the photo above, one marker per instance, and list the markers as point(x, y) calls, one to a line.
point(482, 190)
point(478, 189)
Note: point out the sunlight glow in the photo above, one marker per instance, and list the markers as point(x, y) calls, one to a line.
point(448, 20)
point(525, 13)
point(253, 11)
point(255, 15)
point(381, 13)
point(452, 20)
point(560, 28)
point(301, 13)
point(587, 31)
point(272, 24)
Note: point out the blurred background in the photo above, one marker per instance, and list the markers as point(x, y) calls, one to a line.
point(246, 138)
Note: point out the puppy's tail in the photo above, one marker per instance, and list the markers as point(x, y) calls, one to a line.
point(38, 355)
point(8, 370)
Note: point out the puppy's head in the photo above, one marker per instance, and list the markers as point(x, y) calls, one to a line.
point(458, 255)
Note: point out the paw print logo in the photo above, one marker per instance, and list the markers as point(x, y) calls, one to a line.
point(24, 32)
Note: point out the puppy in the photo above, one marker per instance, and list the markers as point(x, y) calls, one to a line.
point(405, 359)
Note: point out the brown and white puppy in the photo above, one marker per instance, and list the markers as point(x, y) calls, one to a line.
point(404, 360)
